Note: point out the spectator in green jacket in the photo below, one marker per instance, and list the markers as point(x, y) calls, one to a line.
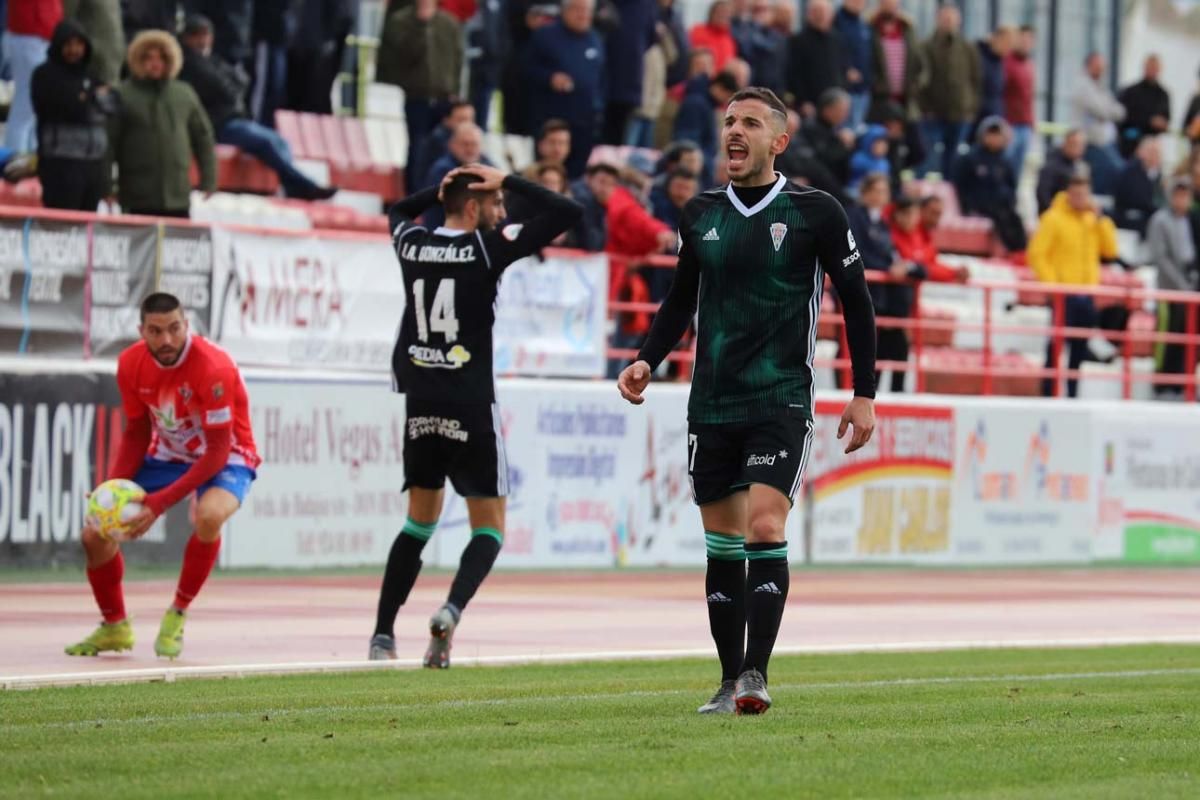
point(421, 51)
point(159, 128)
point(950, 96)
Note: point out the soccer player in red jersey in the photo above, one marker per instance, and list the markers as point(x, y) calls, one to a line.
point(187, 430)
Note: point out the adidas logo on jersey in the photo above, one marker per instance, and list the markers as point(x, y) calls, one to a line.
point(711, 236)
point(719, 597)
point(768, 588)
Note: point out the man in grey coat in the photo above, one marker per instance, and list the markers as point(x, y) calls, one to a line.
point(1172, 249)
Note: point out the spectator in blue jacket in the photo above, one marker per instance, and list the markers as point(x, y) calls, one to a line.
point(763, 47)
point(465, 147)
point(1139, 190)
point(487, 50)
point(567, 72)
point(626, 56)
point(992, 52)
point(858, 49)
point(987, 185)
point(871, 156)
point(666, 203)
point(697, 120)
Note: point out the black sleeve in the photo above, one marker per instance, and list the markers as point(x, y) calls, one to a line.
point(403, 214)
point(677, 309)
point(554, 214)
point(838, 253)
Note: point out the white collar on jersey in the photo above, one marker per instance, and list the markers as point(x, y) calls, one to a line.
point(761, 204)
point(187, 348)
point(444, 231)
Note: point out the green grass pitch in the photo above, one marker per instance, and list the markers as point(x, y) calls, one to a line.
point(1084, 723)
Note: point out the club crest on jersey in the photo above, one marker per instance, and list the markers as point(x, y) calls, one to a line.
point(185, 392)
point(778, 231)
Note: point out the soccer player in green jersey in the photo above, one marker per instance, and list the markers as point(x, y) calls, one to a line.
point(752, 259)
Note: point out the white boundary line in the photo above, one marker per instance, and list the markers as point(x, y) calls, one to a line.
point(168, 674)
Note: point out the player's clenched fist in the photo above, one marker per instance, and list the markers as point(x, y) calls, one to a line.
point(633, 381)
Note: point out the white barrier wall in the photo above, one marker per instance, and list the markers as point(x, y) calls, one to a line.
point(597, 482)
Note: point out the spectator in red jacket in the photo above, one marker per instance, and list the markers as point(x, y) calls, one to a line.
point(914, 242)
point(715, 35)
point(1019, 73)
point(26, 39)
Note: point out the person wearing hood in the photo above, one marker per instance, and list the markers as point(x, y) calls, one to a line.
point(871, 156)
point(987, 185)
point(71, 108)
point(221, 89)
point(697, 120)
point(158, 129)
point(102, 21)
point(1071, 240)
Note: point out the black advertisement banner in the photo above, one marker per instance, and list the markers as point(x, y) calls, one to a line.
point(58, 433)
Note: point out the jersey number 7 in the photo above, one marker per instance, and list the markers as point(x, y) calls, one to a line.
point(443, 320)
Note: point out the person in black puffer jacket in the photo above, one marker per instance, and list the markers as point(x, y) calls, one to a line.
point(71, 110)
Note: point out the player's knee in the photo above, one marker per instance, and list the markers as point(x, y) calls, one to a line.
point(208, 523)
point(766, 527)
point(91, 539)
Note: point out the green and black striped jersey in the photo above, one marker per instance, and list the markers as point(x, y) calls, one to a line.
point(756, 275)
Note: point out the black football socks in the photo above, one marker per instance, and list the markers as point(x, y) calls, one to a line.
point(477, 559)
point(403, 566)
point(725, 587)
point(766, 595)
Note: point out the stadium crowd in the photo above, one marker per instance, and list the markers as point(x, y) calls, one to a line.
point(149, 86)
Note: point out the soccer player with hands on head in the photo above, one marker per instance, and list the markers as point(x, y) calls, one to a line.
point(187, 430)
point(753, 256)
point(442, 362)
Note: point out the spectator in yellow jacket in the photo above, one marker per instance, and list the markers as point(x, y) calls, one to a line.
point(1072, 238)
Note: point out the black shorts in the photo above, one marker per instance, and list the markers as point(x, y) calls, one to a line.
point(460, 442)
point(727, 458)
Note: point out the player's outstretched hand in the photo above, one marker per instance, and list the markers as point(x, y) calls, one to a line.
point(493, 178)
point(633, 381)
point(859, 415)
point(140, 525)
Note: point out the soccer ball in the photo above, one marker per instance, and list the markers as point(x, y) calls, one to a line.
point(112, 505)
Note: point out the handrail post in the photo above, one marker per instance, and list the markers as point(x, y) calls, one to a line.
point(1056, 341)
point(1127, 348)
point(1189, 352)
point(918, 337)
point(987, 341)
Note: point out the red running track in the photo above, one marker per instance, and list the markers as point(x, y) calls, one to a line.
point(239, 621)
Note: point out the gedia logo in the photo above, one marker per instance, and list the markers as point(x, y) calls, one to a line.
point(458, 355)
point(433, 357)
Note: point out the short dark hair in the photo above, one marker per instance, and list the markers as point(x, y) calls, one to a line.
point(160, 303)
point(455, 104)
point(871, 179)
point(553, 125)
point(764, 96)
point(681, 174)
point(906, 203)
point(1027, 28)
point(542, 167)
point(458, 191)
point(726, 81)
point(604, 167)
point(930, 199)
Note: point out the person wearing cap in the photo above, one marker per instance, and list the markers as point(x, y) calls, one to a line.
point(987, 185)
point(1071, 240)
point(1172, 250)
point(221, 89)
